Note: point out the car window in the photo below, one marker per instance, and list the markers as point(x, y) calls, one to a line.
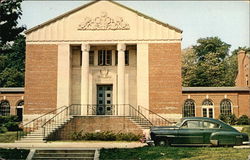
point(192, 124)
point(210, 125)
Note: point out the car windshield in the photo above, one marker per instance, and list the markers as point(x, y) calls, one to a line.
point(178, 124)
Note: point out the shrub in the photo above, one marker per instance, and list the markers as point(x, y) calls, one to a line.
point(106, 136)
point(3, 129)
point(10, 122)
point(230, 119)
point(243, 120)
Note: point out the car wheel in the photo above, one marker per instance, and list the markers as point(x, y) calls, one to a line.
point(162, 142)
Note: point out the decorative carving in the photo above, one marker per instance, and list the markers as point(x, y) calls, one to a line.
point(104, 73)
point(103, 23)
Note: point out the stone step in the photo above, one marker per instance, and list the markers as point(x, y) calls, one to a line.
point(63, 155)
point(65, 151)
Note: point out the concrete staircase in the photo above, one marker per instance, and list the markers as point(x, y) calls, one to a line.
point(37, 136)
point(64, 154)
point(142, 123)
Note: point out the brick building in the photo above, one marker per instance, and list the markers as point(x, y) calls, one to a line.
point(113, 61)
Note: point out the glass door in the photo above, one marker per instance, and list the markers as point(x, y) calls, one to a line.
point(104, 99)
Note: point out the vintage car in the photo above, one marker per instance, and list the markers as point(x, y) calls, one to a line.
point(197, 131)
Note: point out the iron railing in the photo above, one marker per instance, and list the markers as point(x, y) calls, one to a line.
point(36, 123)
point(154, 118)
point(123, 110)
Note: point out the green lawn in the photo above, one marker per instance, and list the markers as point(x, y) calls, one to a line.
point(7, 137)
point(175, 153)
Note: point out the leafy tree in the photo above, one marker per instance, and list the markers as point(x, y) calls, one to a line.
point(211, 45)
point(10, 11)
point(208, 64)
point(12, 44)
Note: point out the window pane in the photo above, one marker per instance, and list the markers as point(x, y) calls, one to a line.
point(210, 125)
point(210, 113)
point(126, 57)
point(100, 57)
point(4, 108)
point(116, 57)
point(108, 57)
point(194, 124)
point(91, 57)
point(189, 108)
point(225, 107)
point(204, 112)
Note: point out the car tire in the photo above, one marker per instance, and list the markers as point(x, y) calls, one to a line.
point(162, 142)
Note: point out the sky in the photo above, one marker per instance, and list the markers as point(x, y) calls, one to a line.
point(229, 20)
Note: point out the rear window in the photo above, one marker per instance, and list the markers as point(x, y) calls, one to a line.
point(210, 125)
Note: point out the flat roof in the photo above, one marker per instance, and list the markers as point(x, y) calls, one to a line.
point(215, 89)
point(12, 90)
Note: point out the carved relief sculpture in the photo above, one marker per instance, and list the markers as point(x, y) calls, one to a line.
point(103, 23)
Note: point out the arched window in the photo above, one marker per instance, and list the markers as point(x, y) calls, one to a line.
point(207, 108)
point(20, 103)
point(225, 107)
point(4, 108)
point(189, 108)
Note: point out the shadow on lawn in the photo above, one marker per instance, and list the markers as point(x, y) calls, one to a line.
point(150, 153)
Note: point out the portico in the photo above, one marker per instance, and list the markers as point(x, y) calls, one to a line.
point(102, 61)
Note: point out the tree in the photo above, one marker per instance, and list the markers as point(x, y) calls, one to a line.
point(12, 44)
point(10, 11)
point(12, 66)
point(208, 64)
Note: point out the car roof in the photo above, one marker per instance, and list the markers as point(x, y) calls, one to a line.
point(203, 119)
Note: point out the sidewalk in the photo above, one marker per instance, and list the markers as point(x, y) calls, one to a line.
point(74, 145)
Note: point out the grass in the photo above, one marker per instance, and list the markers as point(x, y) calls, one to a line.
point(8, 137)
point(14, 154)
point(175, 153)
point(246, 129)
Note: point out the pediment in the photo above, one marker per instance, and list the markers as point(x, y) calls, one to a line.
point(102, 21)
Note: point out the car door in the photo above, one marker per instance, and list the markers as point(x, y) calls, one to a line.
point(191, 132)
point(209, 128)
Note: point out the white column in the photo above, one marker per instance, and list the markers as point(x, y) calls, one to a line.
point(85, 78)
point(121, 77)
point(63, 75)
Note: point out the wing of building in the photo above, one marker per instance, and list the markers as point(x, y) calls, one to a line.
point(104, 58)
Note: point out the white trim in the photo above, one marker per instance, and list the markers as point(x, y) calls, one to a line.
point(103, 41)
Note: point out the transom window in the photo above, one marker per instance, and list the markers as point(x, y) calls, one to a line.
point(207, 108)
point(226, 107)
point(207, 102)
point(4, 108)
point(189, 108)
point(20, 103)
point(104, 57)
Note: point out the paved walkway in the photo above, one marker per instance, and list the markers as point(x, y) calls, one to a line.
point(73, 145)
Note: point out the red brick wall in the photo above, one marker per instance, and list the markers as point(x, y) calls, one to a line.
point(96, 123)
point(13, 99)
point(244, 103)
point(240, 102)
point(165, 78)
point(40, 78)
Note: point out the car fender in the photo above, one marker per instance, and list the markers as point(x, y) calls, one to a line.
point(225, 137)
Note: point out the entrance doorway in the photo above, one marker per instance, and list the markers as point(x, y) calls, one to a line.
point(104, 99)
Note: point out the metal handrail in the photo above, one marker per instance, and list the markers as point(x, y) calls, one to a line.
point(43, 115)
point(156, 117)
point(156, 114)
point(141, 114)
point(26, 128)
